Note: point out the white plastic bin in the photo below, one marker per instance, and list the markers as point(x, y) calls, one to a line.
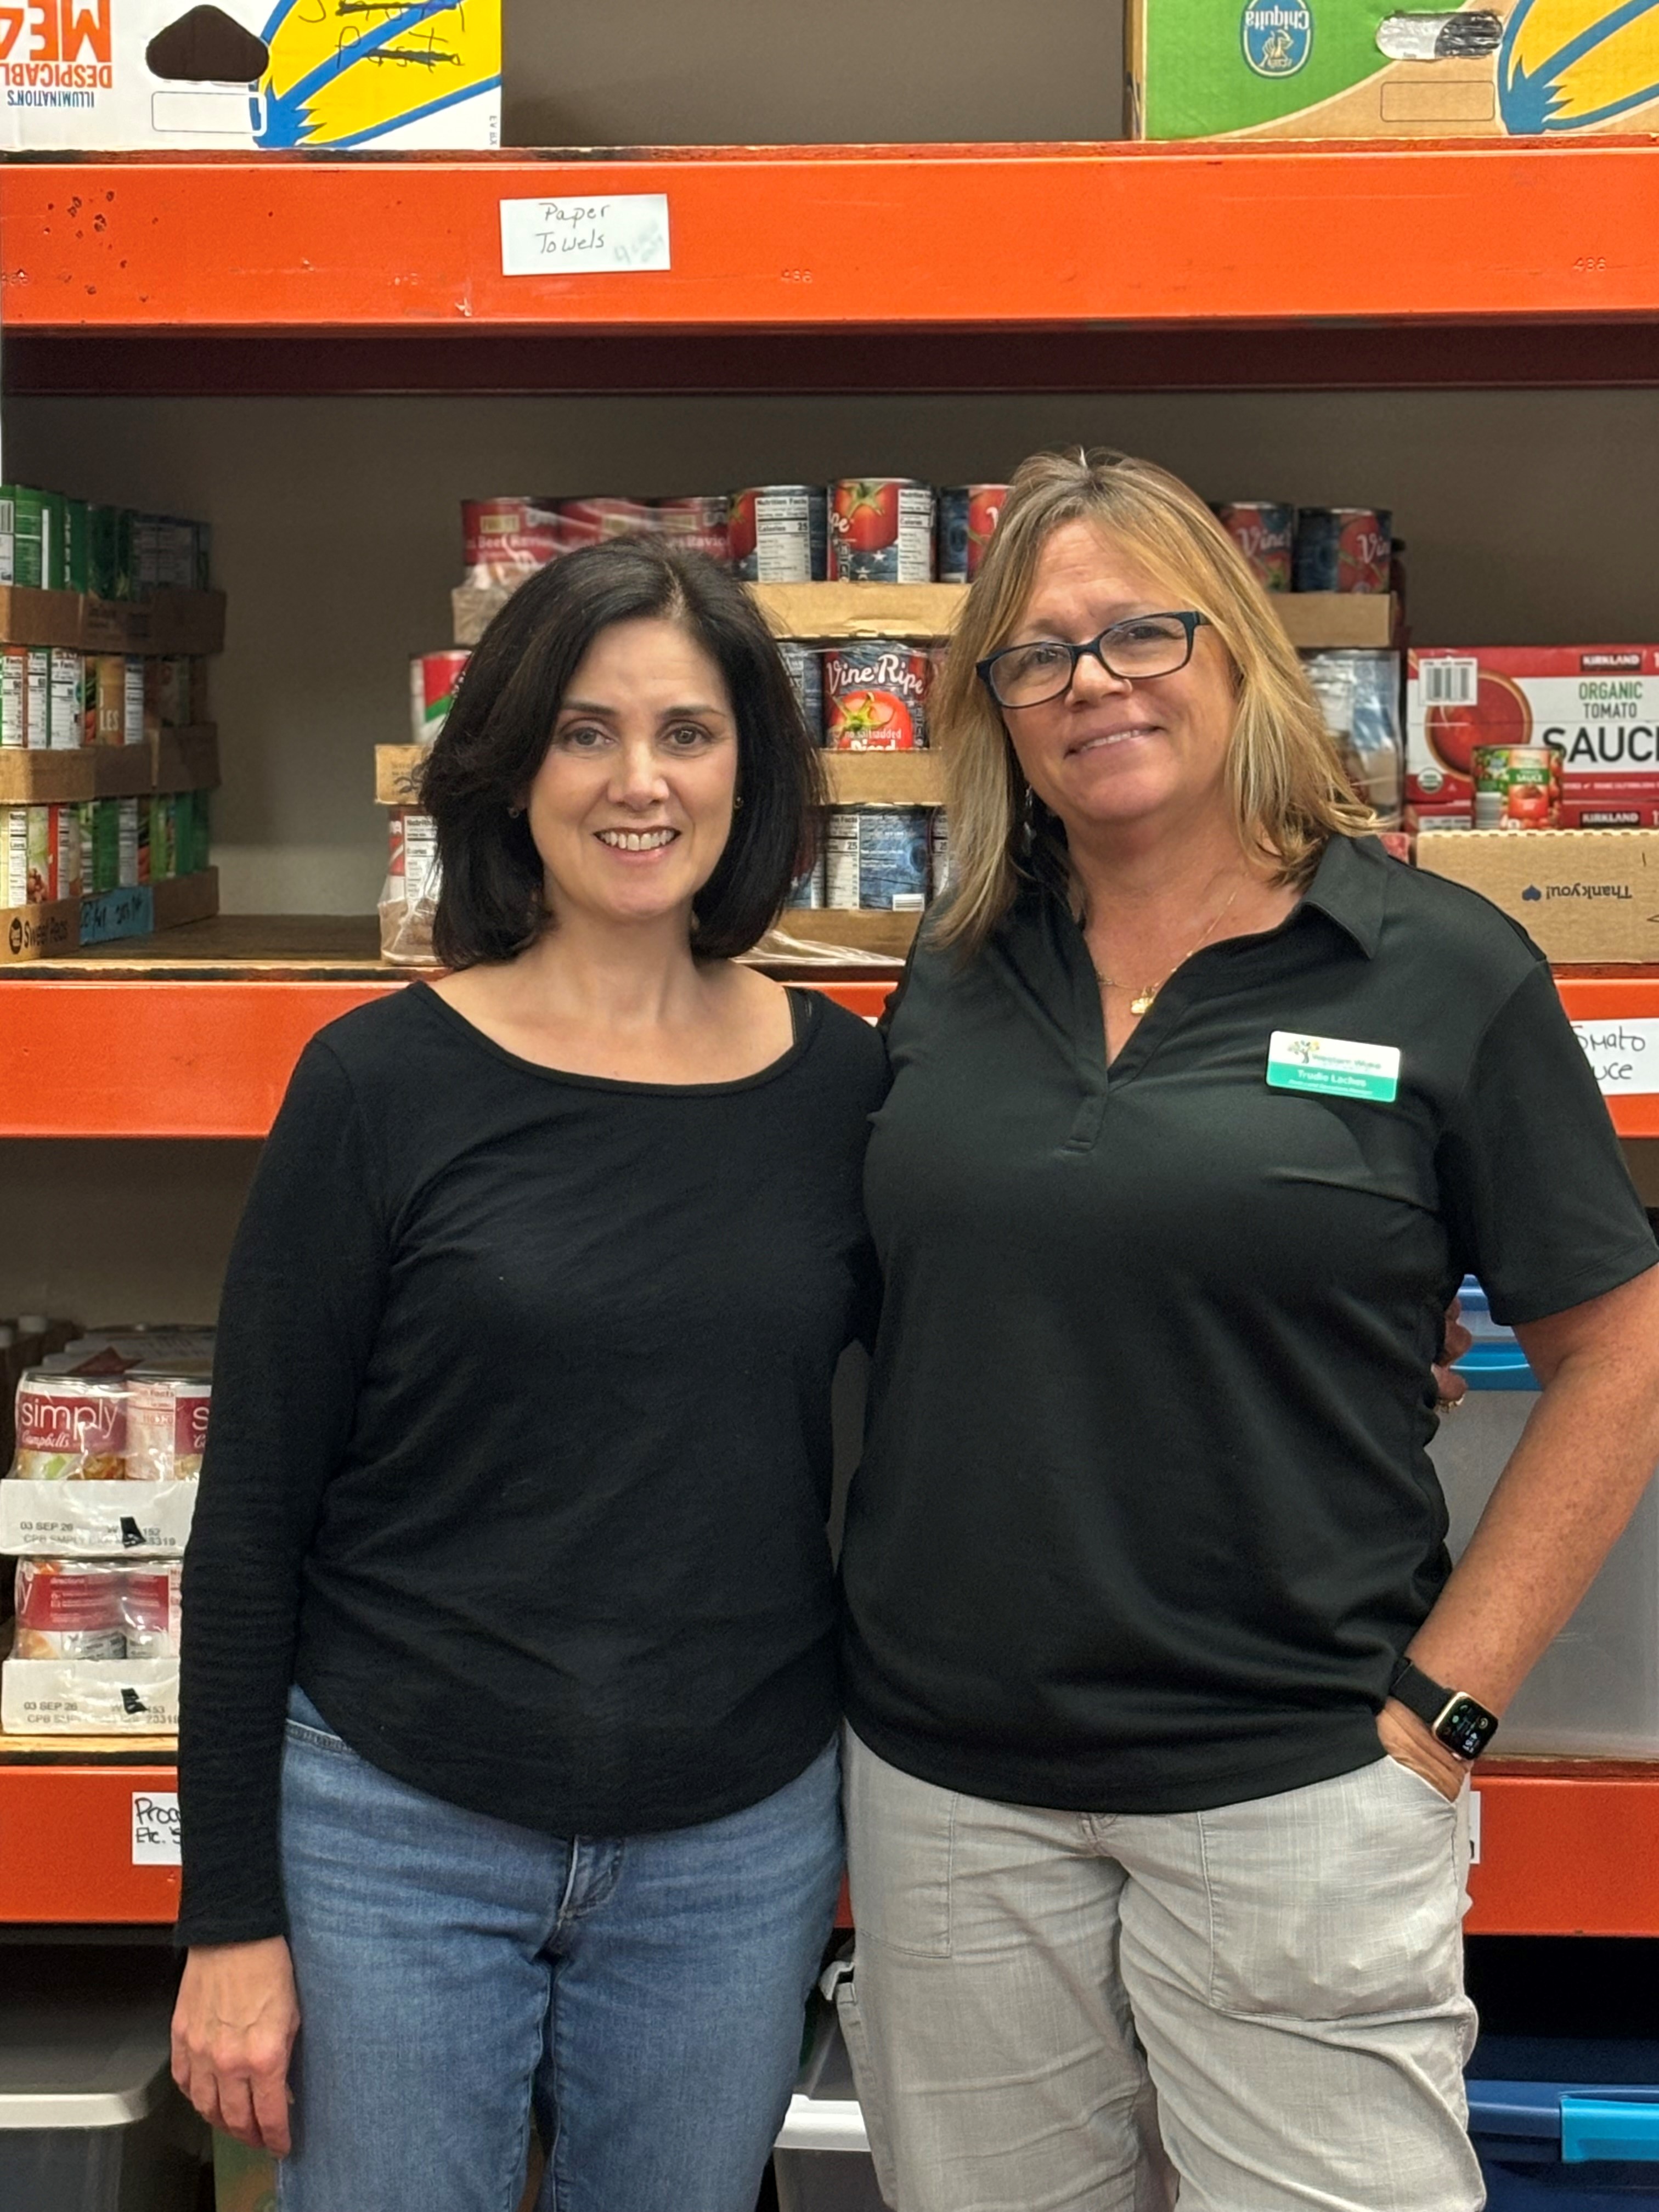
point(89, 2118)
point(822, 2162)
point(1594, 1694)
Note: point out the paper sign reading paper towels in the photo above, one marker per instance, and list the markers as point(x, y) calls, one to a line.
point(557, 238)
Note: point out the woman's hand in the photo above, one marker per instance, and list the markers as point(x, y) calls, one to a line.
point(1450, 1384)
point(232, 2035)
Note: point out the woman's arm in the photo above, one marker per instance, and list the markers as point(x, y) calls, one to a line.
point(1571, 1484)
point(302, 1306)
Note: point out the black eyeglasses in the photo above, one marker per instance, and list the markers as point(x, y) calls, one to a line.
point(1134, 651)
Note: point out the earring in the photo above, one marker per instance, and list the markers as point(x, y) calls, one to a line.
point(514, 812)
point(737, 802)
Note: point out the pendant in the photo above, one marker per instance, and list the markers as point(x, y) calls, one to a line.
point(1142, 1002)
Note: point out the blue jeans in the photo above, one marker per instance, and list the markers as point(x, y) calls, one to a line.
point(643, 1996)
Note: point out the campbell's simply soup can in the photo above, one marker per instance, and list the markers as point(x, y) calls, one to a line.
point(432, 677)
point(875, 696)
point(968, 515)
point(1343, 549)
point(780, 533)
point(1264, 531)
point(1517, 787)
point(881, 531)
point(877, 857)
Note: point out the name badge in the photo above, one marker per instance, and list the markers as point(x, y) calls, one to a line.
point(1295, 1062)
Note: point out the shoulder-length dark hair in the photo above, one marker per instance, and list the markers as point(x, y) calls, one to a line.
point(490, 904)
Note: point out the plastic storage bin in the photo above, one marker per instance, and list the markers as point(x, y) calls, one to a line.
point(822, 2162)
point(89, 2118)
point(1567, 2126)
point(1594, 1694)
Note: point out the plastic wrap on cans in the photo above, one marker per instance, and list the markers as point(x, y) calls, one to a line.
point(1358, 696)
point(90, 1696)
point(806, 666)
point(432, 677)
point(96, 1609)
point(968, 515)
point(409, 899)
point(780, 533)
point(881, 531)
point(1518, 786)
point(939, 851)
point(591, 521)
point(875, 857)
point(1343, 549)
point(1264, 531)
point(166, 1425)
point(504, 540)
point(875, 696)
point(71, 1428)
point(810, 887)
point(698, 524)
point(96, 1520)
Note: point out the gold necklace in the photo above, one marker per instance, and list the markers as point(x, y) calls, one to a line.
point(1142, 1001)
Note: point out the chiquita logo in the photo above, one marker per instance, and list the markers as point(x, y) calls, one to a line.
point(1278, 36)
point(1570, 64)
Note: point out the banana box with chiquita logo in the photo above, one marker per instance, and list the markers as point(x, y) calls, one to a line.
point(1579, 894)
point(112, 75)
point(1368, 68)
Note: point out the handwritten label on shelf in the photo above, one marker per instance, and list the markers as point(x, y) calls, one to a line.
point(155, 1827)
point(556, 238)
point(1624, 1054)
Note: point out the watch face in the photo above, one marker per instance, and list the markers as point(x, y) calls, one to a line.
point(1466, 1728)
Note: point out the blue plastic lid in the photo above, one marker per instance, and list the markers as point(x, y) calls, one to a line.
point(1496, 1361)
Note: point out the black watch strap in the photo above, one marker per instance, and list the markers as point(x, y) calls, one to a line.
point(1462, 1724)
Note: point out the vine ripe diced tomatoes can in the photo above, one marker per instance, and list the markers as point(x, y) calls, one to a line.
point(1343, 549)
point(1517, 787)
point(805, 665)
point(881, 531)
point(1264, 531)
point(780, 533)
point(432, 677)
point(877, 857)
point(968, 515)
point(875, 696)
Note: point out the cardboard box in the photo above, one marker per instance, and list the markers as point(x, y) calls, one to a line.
point(148, 76)
point(1600, 703)
point(1373, 68)
point(1579, 894)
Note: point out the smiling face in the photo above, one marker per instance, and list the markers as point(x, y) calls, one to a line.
point(1110, 754)
point(631, 809)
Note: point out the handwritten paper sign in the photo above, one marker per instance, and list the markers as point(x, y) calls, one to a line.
point(557, 238)
point(1624, 1054)
point(155, 1827)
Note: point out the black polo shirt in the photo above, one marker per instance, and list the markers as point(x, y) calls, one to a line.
point(1145, 1511)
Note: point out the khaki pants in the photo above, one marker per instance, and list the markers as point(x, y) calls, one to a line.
point(1255, 2009)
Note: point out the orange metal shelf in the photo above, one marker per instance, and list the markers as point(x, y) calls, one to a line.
point(835, 238)
point(66, 1845)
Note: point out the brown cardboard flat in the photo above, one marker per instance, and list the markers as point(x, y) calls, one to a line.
point(51, 779)
point(397, 770)
point(167, 622)
point(186, 898)
point(37, 932)
point(885, 779)
point(1581, 895)
point(914, 610)
point(1354, 622)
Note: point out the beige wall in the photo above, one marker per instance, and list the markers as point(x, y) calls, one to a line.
point(1528, 516)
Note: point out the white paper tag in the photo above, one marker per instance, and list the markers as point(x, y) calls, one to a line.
point(1474, 1827)
point(1624, 1054)
point(155, 1827)
point(554, 238)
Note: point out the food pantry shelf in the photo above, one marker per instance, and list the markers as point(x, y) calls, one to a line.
point(66, 1811)
point(1092, 240)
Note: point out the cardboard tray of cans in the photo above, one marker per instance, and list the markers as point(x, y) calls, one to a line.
point(169, 760)
point(42, 932)
point(167, 622)
point(867, 779)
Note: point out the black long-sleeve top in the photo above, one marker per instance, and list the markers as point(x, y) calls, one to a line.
point(519, 1458)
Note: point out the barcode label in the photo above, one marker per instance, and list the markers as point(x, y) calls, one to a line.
point(1449, 683)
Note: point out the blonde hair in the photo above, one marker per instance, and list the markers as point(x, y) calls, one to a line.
point(1288, 790)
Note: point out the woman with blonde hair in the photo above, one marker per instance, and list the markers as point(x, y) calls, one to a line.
point(1163, 1696)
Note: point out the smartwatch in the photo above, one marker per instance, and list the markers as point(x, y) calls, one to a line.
point(1462, 1723)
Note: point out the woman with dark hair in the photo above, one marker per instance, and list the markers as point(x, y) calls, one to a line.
point(507, 1755)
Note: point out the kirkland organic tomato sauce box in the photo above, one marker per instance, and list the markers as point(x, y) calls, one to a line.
point(1598, 703)
point(110, 76)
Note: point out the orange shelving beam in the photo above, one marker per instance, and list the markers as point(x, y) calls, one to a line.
point(843, 238)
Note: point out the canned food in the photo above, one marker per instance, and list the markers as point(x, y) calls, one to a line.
point(14, 696)
point(806, 667)
point(698, 524)
point(1264, 531)
point(69, 1609)
point(163, 836)
point(38, 715)
point(133, 704)
point(812, 889)
point(432, 677)
point(938, 852)
point(412, 860)
point(105, 699)
point(1517, 787)
point(591, 521)
point(131, 848)
point(71, 1428)
point(780, 533)
point(875, 696)
point(968, 513)
point(1343, 549)
point(99, 820)
point(881, 531)
point(167, 1426)
point(109, 552)
point(23, 537)
point(505, 540)
point(40, 855)
point(75, 559)
point(66, 708)
point(169, 691)
point(875, 857)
